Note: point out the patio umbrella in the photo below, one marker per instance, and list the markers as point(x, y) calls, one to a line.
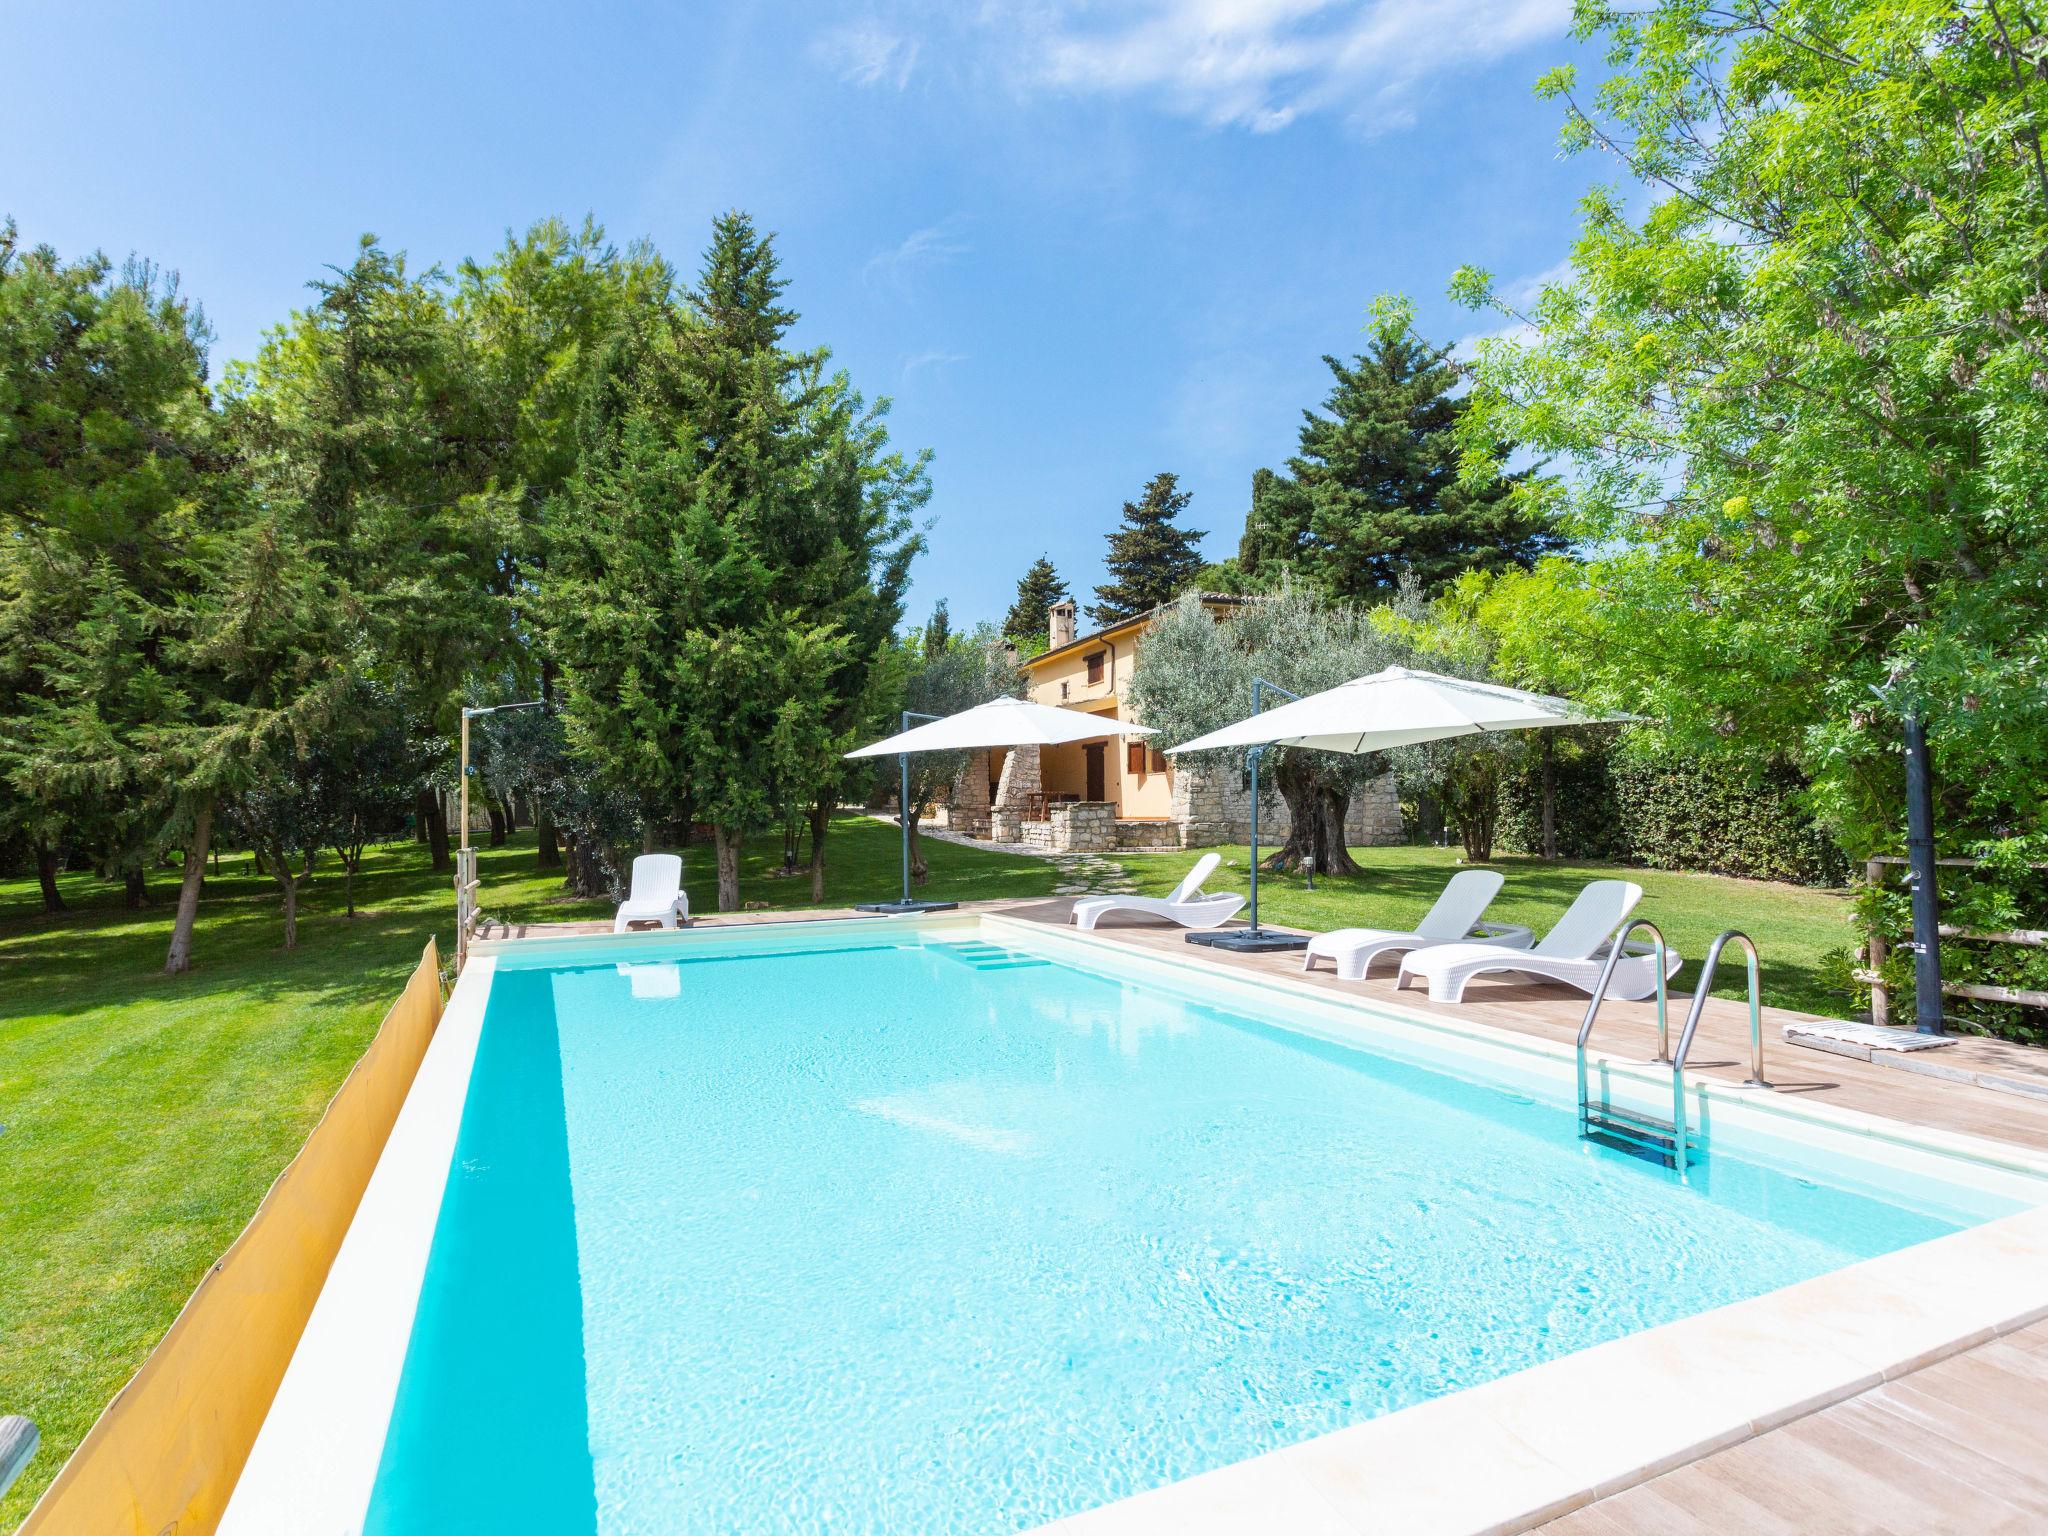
point(998, 723)
point(1398, 707)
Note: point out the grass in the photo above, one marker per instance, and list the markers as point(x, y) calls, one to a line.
point(144, 1115)
point(1793, 926)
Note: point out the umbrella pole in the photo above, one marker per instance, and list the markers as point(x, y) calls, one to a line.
point(1254, 938)
point(903, 905)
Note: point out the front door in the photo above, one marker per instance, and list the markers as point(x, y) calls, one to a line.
point(1091, 754)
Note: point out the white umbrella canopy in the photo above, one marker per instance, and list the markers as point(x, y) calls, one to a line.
point(1003, 723)
point(1396, 708)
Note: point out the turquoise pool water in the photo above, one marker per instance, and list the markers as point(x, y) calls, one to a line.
point(899, 1236)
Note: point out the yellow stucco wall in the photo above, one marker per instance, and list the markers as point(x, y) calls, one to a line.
point(1061, 679)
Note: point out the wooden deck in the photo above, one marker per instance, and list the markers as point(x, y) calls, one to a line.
point(1960, 1446)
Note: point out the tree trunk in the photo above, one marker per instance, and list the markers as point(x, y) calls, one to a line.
point(547, 852)
point(288, 881)
point(348, 881)
point(435, 815)
point(135, 889)
point(1333, 857)
point(180, 956)
point(918, 868)
point(497, 815)
point(419, 820)
point(1297, 785)
point(1549, 797)
point(728, 842)
point(789, 847)
point(46, 876)
point(821, 821)
point(510, 800)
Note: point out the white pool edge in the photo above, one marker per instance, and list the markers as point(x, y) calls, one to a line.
point(1501, 1456)
point(315, 1459)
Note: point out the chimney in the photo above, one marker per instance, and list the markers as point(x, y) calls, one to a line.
point(1061, 627)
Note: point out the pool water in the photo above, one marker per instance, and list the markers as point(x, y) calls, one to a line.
point(915, 1236)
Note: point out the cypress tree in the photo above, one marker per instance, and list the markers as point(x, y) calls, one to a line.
point(1037, 591)
point(1151, 559)
point(1374, 489)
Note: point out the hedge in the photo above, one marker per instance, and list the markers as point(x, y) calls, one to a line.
point(1663, 810)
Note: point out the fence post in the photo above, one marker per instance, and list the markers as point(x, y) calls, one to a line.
point(1880, 1001)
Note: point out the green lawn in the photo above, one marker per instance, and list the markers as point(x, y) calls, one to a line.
point(144, 1116)
point(1793, 926)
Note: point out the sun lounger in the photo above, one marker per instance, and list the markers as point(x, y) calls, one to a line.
point(1186, 905)
point(1454, 917)
point(1573, 952)
point(657, 894)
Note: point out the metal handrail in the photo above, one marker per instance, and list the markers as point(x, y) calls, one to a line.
point(18, 1441)
point(1614, 955)
point(1615, 951)
point(1756, 1010)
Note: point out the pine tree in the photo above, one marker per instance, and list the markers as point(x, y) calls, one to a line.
point(1151, 560)
point(1037, 591)
point(938, 630)
point(1374, 490)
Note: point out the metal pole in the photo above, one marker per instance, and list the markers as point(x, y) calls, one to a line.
point(1251, 761)
point(1920, 856)
point(464, 777)
point(903, 810)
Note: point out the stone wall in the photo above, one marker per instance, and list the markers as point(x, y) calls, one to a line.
point(1077, 826)
point(1148, 834)
point(1215, 806)
point(967, 805)
point(1023, 778)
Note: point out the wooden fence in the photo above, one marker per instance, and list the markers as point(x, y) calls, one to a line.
point(1874, 951)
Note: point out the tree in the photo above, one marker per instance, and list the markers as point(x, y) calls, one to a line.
point(1038, 589)
point(107, 472)
point(1801, 376)
point(965, 671)
point(1374, 490)
point(1197, 676)
point(1151, 559)
point(536, 315)
point(277, 813)
point(938, 630)
point(363, 424)
point(362, 774)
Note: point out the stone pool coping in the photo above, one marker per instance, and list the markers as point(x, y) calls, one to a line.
point(1502, 1456)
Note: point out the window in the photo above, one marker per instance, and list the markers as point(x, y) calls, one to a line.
point(1158, 761)
point(1095, 667)
point(1134, 758)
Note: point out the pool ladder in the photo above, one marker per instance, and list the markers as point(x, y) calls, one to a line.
point(1670, 1142)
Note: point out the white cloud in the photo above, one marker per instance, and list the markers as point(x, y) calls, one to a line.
point(1261, 64)
point(934, 357)
point(919, 251)
point(868, 53)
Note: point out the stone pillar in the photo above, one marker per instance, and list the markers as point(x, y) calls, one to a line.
point(1023, 779)
point(967, 804)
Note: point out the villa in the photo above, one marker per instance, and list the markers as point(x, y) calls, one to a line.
point(1089, 797)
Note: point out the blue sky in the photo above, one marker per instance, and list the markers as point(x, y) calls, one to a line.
point(1078, 243)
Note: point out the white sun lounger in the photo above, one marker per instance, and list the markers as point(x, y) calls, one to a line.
point(1454, 917)
point(657, 894)
point(1573, 952)
point(1186, 906)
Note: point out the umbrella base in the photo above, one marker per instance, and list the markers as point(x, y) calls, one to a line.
point(1250, 941)
point(911, 908)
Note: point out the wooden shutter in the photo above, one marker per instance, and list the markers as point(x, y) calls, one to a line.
point(1095, 667)
point(1134, 757)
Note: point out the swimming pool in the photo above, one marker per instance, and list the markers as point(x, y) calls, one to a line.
point(944, 1227)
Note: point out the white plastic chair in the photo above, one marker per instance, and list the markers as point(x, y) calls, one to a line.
point(657, 894)
point(1456, 914)
point(1186, 904)
point(1573, 952)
